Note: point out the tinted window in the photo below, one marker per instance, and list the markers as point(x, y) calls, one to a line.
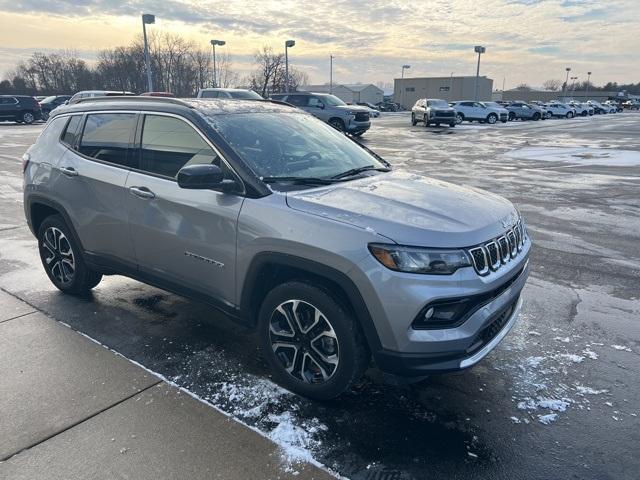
point(106, 136)
point(168, 144)
point(8, 101)
point(298, 100)
point(249, 95)
point(209, 94)
point(70, 134)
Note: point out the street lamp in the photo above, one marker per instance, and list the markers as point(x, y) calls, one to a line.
point(566, 81)
point(331, 57)
point(213, 45)
point(479, 50)
point(451, 86)
point(588, 81)
point(573, 83)
point(404, 67)
point(288, 44)
point(147, 19)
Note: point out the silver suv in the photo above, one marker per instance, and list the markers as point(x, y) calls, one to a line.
point(283, 223)
point(351, 119)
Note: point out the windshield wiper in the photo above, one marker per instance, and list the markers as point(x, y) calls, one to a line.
point(356, 171)
point(299, 180)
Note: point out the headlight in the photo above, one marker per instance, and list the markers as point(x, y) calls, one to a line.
point(419, 260)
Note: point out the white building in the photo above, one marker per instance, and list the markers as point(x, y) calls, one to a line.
point(349, 93)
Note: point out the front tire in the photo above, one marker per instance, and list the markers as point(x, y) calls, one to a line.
point(536, 116)
point(569, 115)
point(62, 259)
point(337, 123)
point(414, 122)
point(28, 118)
point(459, 118)
point(311, 341)
point(512, 116)
point(492, 118)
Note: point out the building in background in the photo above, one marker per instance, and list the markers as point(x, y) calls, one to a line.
point(408, 90)
point(349, 93)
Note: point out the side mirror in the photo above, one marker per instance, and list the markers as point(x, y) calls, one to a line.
point(321, 106)
point(203, 177)
point(66, 102)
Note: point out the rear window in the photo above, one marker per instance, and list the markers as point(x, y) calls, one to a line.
point(107, 136)
point(70, 135)
point(210, 94)
point(249, 95)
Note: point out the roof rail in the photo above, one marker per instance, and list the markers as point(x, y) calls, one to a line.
point(129, 98)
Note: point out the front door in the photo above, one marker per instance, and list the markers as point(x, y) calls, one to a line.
point(187, 237)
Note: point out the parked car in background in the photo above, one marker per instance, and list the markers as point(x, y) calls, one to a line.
point(582, 108)
point(231, 93)
point(19, 109)
point(99, 93)
point(479, 111)
point(283, 224)
point(433, 111)
point(560, 110)
point(352, 119)
point(158, 94)
point(387, 106)
point(373, 110)
point(617, 106)
point(631, 105)
point(52, 102)
point(598, 108)
point(524, 111)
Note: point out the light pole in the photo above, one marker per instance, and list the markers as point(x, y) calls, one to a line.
point(404, 67)
point(331, 57)
point(451, 86)
point(566, 81)
point(288, 44)
point(588, 81)
point(479, 50)
point(573, 83)
point(147, 19)
point(213, 45)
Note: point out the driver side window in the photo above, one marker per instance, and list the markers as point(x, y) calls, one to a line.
point(314, 102)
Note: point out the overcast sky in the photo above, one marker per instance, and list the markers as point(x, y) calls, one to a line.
point(527, 40)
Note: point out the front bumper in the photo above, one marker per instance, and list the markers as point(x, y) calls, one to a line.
point(354, 126)
point(406, 351)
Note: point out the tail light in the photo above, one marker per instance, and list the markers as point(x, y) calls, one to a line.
point(25, 161)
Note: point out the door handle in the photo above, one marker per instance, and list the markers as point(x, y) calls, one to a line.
point(69, 171)
point(142, 192)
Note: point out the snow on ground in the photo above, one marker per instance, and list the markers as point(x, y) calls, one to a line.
point(579, 155)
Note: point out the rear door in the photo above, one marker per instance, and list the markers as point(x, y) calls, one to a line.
point(8, 107)
point(90, 182)
point(186, 237)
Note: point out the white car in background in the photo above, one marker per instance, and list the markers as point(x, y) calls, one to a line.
point(479, 111)
point(582, 109)
point(560, 110)
point(614, 105)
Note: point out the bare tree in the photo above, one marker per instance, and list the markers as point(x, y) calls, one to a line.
point(552, 85)
point(524, 87)
point(269, 76)
point(227, 78)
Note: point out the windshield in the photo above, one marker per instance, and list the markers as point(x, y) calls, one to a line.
point(276, 144)
point(332, 100)
point(437, 103)
point(492, 104)
point(248, 94)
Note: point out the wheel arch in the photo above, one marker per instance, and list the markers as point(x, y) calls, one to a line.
point(38, 208)
point(270, 269)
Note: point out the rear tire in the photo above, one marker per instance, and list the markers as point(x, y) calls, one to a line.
point(426, 121)
point(414, 122)
point(62, 258)
point(459, 118)
point(536, 116)
point(512, 116)
point(569, 115)
point(311, 341)
point(585, 113)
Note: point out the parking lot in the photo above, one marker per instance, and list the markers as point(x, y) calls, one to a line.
point(559, 398)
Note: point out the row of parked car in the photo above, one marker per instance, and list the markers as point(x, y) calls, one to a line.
point(437, 112)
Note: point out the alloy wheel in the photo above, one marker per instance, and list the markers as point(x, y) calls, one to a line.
point(28, 117)
point(58, 255)
point(304, 342)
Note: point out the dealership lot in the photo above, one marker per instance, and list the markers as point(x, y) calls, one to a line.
point(558, 398)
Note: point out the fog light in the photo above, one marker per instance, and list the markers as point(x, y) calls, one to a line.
point(428, 314)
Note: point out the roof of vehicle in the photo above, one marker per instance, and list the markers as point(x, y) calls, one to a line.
point(176, 105)
point(221, 89)
point(19, 96)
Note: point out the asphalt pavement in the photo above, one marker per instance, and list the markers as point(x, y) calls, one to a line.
point(559, 398)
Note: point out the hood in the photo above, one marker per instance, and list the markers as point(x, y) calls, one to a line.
point(353, 108)
point(411, 209)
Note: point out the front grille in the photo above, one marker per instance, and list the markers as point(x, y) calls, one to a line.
point(362, 117)
point(491, 255)
point(444, 113)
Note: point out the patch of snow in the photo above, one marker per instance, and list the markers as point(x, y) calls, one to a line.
point(621, 348)
point(562, 339)
point(590, 354)
point(515, 420)
point(571, 357)
point(534, 361)
point(548, 418)
point(579, 155)
point(553, 404)
point(589, 391)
